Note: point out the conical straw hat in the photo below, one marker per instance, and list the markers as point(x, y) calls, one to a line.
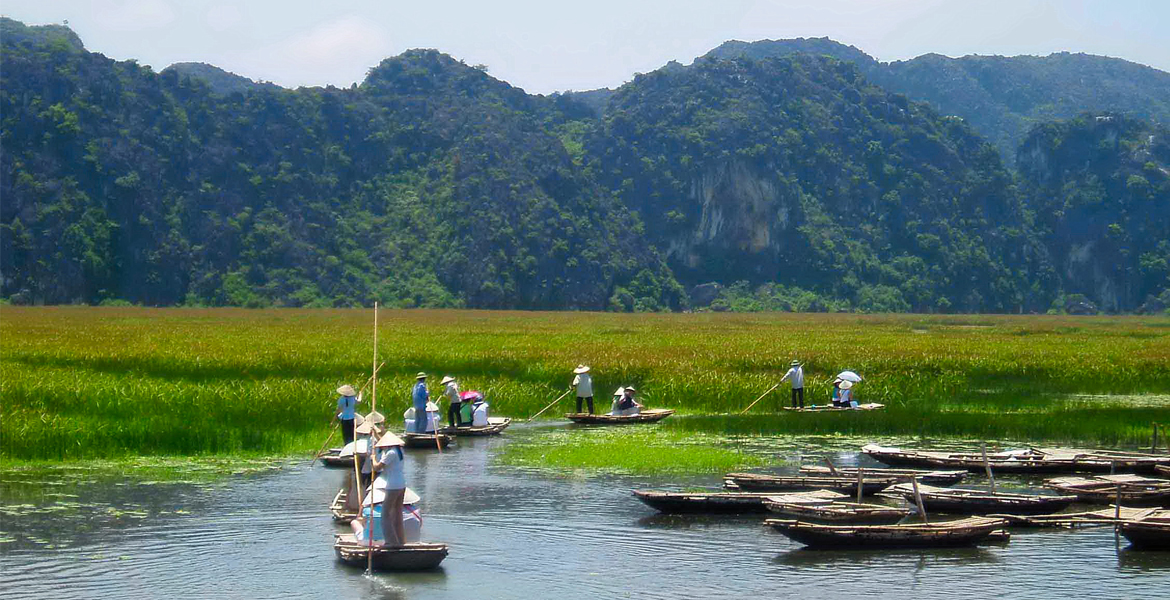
point(581, 369)
point(389, 440)
point(346, 390)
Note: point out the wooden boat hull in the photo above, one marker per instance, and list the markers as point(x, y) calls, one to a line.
point(754, 482)
point(341, 513)
point(426, 441)
point(412, 557)
point(831, 408)
point(1100, 462)
point(937, 478)
point(646, 416)
point(723, 503)
point(1128, 497)
point(966, 532)
point(332, 460)
point(979, 502)
point(1162, 470)
point(1105, 516)
point(1147, 535)
point(839, 513)
point(492, 429)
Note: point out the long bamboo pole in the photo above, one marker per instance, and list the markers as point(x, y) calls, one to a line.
point(860, 483)
point(918, 499)
point(987, 466)
point(551, 404)
point(373, 409)
point(760, 398)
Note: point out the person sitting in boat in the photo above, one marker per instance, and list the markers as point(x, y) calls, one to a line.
point(360, 448)
point(408, 420)
point(434, 421)
point(388, 462)
point(847, 395)
point(411, 517)
point(835, 397)
point(420, 397)
point(617, 399)
point(451, 391)
point(479, 415)
point(347, 411)
point(628, 405)
point(584, 384)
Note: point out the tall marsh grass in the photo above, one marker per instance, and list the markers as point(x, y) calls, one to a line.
point(113, 382)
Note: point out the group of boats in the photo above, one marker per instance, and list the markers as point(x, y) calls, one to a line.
point(423, 556)
point(825, 507)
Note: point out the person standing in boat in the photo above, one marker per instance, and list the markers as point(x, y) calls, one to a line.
point(584, 384)
point(388, 462)
point(451, 391)
point(347, 410)
point(420, 396)
point(628, 405)
point(795, 377)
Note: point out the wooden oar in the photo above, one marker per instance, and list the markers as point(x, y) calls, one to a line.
point(336, 425)
point(760, 398)
point(987, 466)
point(551, 405)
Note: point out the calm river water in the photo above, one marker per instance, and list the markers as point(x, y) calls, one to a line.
point(513, 534)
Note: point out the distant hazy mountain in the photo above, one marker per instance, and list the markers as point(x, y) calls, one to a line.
point(221, 81)
point(1002, 97)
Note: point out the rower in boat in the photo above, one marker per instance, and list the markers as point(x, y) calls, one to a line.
point(795, 378)
point(628, 405)
point(451, 391)
point(584, 385)
point(347, 410)
point(420, 397)
point(387, 462)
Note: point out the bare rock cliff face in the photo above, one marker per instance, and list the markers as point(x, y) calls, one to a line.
point(744, 221)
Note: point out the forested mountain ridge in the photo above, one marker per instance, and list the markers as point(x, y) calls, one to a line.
point(1002, 97)
point(797, 170)
point(221, 81)
point(433, 184)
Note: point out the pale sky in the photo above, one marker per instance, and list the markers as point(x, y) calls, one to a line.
point(546, 46)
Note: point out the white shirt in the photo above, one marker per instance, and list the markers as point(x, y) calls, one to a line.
point(797, 377)
point(480, 416)
point(584, 385)
point(452, 392)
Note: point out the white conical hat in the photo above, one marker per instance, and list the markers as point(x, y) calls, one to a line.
point(389, 440)
point(378, 495)
point(619, 391)
point(581, 369)
point(846, 384)
point(446, 380)
point(346, 390)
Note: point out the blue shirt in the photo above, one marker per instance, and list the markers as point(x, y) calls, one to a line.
point(420, 397)
point(346, 406)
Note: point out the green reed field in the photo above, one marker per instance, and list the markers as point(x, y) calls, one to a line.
point(126, 382)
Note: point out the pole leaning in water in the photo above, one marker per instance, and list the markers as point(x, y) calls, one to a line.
point(760, 398)
point(373, 410)
point(551, 405)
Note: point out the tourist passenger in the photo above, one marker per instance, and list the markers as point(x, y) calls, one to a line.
point(420, 396)
point(584, 384)
point(846, 397)
point(360, 448)
point(795, 377)
point(479, 416)
point(451, 391)
point(411, 517)
point(433, 420)
point(628, 405)
point(835, 396)
point(347, 411)
point(617, 398)
point(388, 459)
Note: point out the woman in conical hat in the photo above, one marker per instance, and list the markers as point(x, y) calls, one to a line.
point(388, 460)
point(347, 402)
point(584, 384)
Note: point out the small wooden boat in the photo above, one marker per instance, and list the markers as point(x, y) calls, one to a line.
point(1162, 470)
point(1150, 533)
point(496, 426)
point(333, 459)
point(1105, 516)
point(426, 441)
point(1031, 460)
point(726, 503)
point(942, 478)
point(831, 408)
point(342, 513)
point(837, 512)
point(757, 482)
point(964, 532)
point(1135, 490)
point(979, 502)
point(647, 416)
point(411, 557)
